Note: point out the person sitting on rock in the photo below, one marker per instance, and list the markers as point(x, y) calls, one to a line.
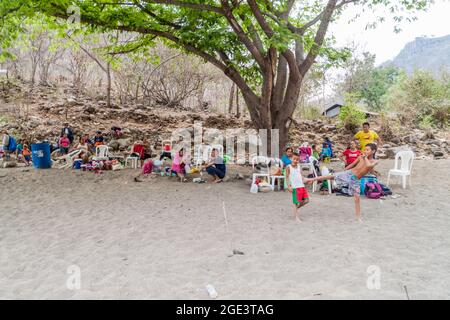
point(216, 166)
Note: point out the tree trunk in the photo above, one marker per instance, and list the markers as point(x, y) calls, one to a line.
point(238, 111)
point(230, 100)
point(108, 86)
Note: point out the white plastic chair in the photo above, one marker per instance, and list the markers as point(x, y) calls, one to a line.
point(312, 169)
point(133, 161)
point(68, 158)
point(277, 162)
point(403, 168)
point(325, 172)
point(263, 160)
point(101, 153)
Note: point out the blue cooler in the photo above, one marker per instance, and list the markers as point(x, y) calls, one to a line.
point(364, 180)
point(41, 155)
point(77, 163)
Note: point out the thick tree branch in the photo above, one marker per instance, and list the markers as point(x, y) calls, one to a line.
point(243, 36)
point(319, 38)
point(260, 18)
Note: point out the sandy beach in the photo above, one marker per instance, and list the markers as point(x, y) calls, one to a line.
point(162, 239)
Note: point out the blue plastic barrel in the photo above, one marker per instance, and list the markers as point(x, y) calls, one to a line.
point(41, 155)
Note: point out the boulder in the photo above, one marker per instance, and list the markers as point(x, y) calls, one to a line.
point(438, 154)
point(89, 110)
point(8, 164)
point(382, 156)
point(124, 143)
point(391, 152)
point(70, 102)
point(435, 142)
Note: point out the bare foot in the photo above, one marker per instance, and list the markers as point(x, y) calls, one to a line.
point(359, 219)
point(218, 181)
point(297, 219)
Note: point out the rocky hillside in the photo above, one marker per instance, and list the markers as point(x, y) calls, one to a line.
point(430, 54)
point(41, 115)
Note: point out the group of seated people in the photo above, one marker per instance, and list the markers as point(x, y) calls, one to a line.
point(181, 163)
point(322, 154)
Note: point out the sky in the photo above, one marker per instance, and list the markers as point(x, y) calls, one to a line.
point(383, 41)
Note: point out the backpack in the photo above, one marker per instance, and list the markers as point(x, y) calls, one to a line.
point(386, 190)
point(304, 154)
point(373, 190)
point(12, 144)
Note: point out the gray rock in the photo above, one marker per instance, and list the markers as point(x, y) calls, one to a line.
point(89, 110)
point(8, 164)
point(114, 145)
point(433, 142)
point(438, 153)
point(391, 152)
point(124, 143)
point(382, 156)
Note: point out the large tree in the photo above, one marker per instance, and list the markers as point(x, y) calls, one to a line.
point(265, 47)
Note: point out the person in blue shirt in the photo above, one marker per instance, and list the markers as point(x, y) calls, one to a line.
point(287, 156)
point(329, 145)
point(326, 152)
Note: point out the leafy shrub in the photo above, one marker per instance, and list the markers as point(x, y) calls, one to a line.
point(351, 116)
point(421, 100)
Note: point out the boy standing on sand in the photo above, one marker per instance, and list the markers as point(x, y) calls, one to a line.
point(296, 185)
point(355, 171)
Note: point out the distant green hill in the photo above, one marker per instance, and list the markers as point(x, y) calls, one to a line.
point(431, 54)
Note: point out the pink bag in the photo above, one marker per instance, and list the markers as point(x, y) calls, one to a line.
point(147, 168)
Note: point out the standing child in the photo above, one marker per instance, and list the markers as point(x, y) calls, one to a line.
point(296, 186)
point(64, 144)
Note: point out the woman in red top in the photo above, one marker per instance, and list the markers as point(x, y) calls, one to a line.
point(351, 154)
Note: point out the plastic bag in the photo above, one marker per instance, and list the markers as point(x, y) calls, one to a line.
point(254, 188)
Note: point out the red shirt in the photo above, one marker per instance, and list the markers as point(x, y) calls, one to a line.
point(351, 156)
point(64, 142)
